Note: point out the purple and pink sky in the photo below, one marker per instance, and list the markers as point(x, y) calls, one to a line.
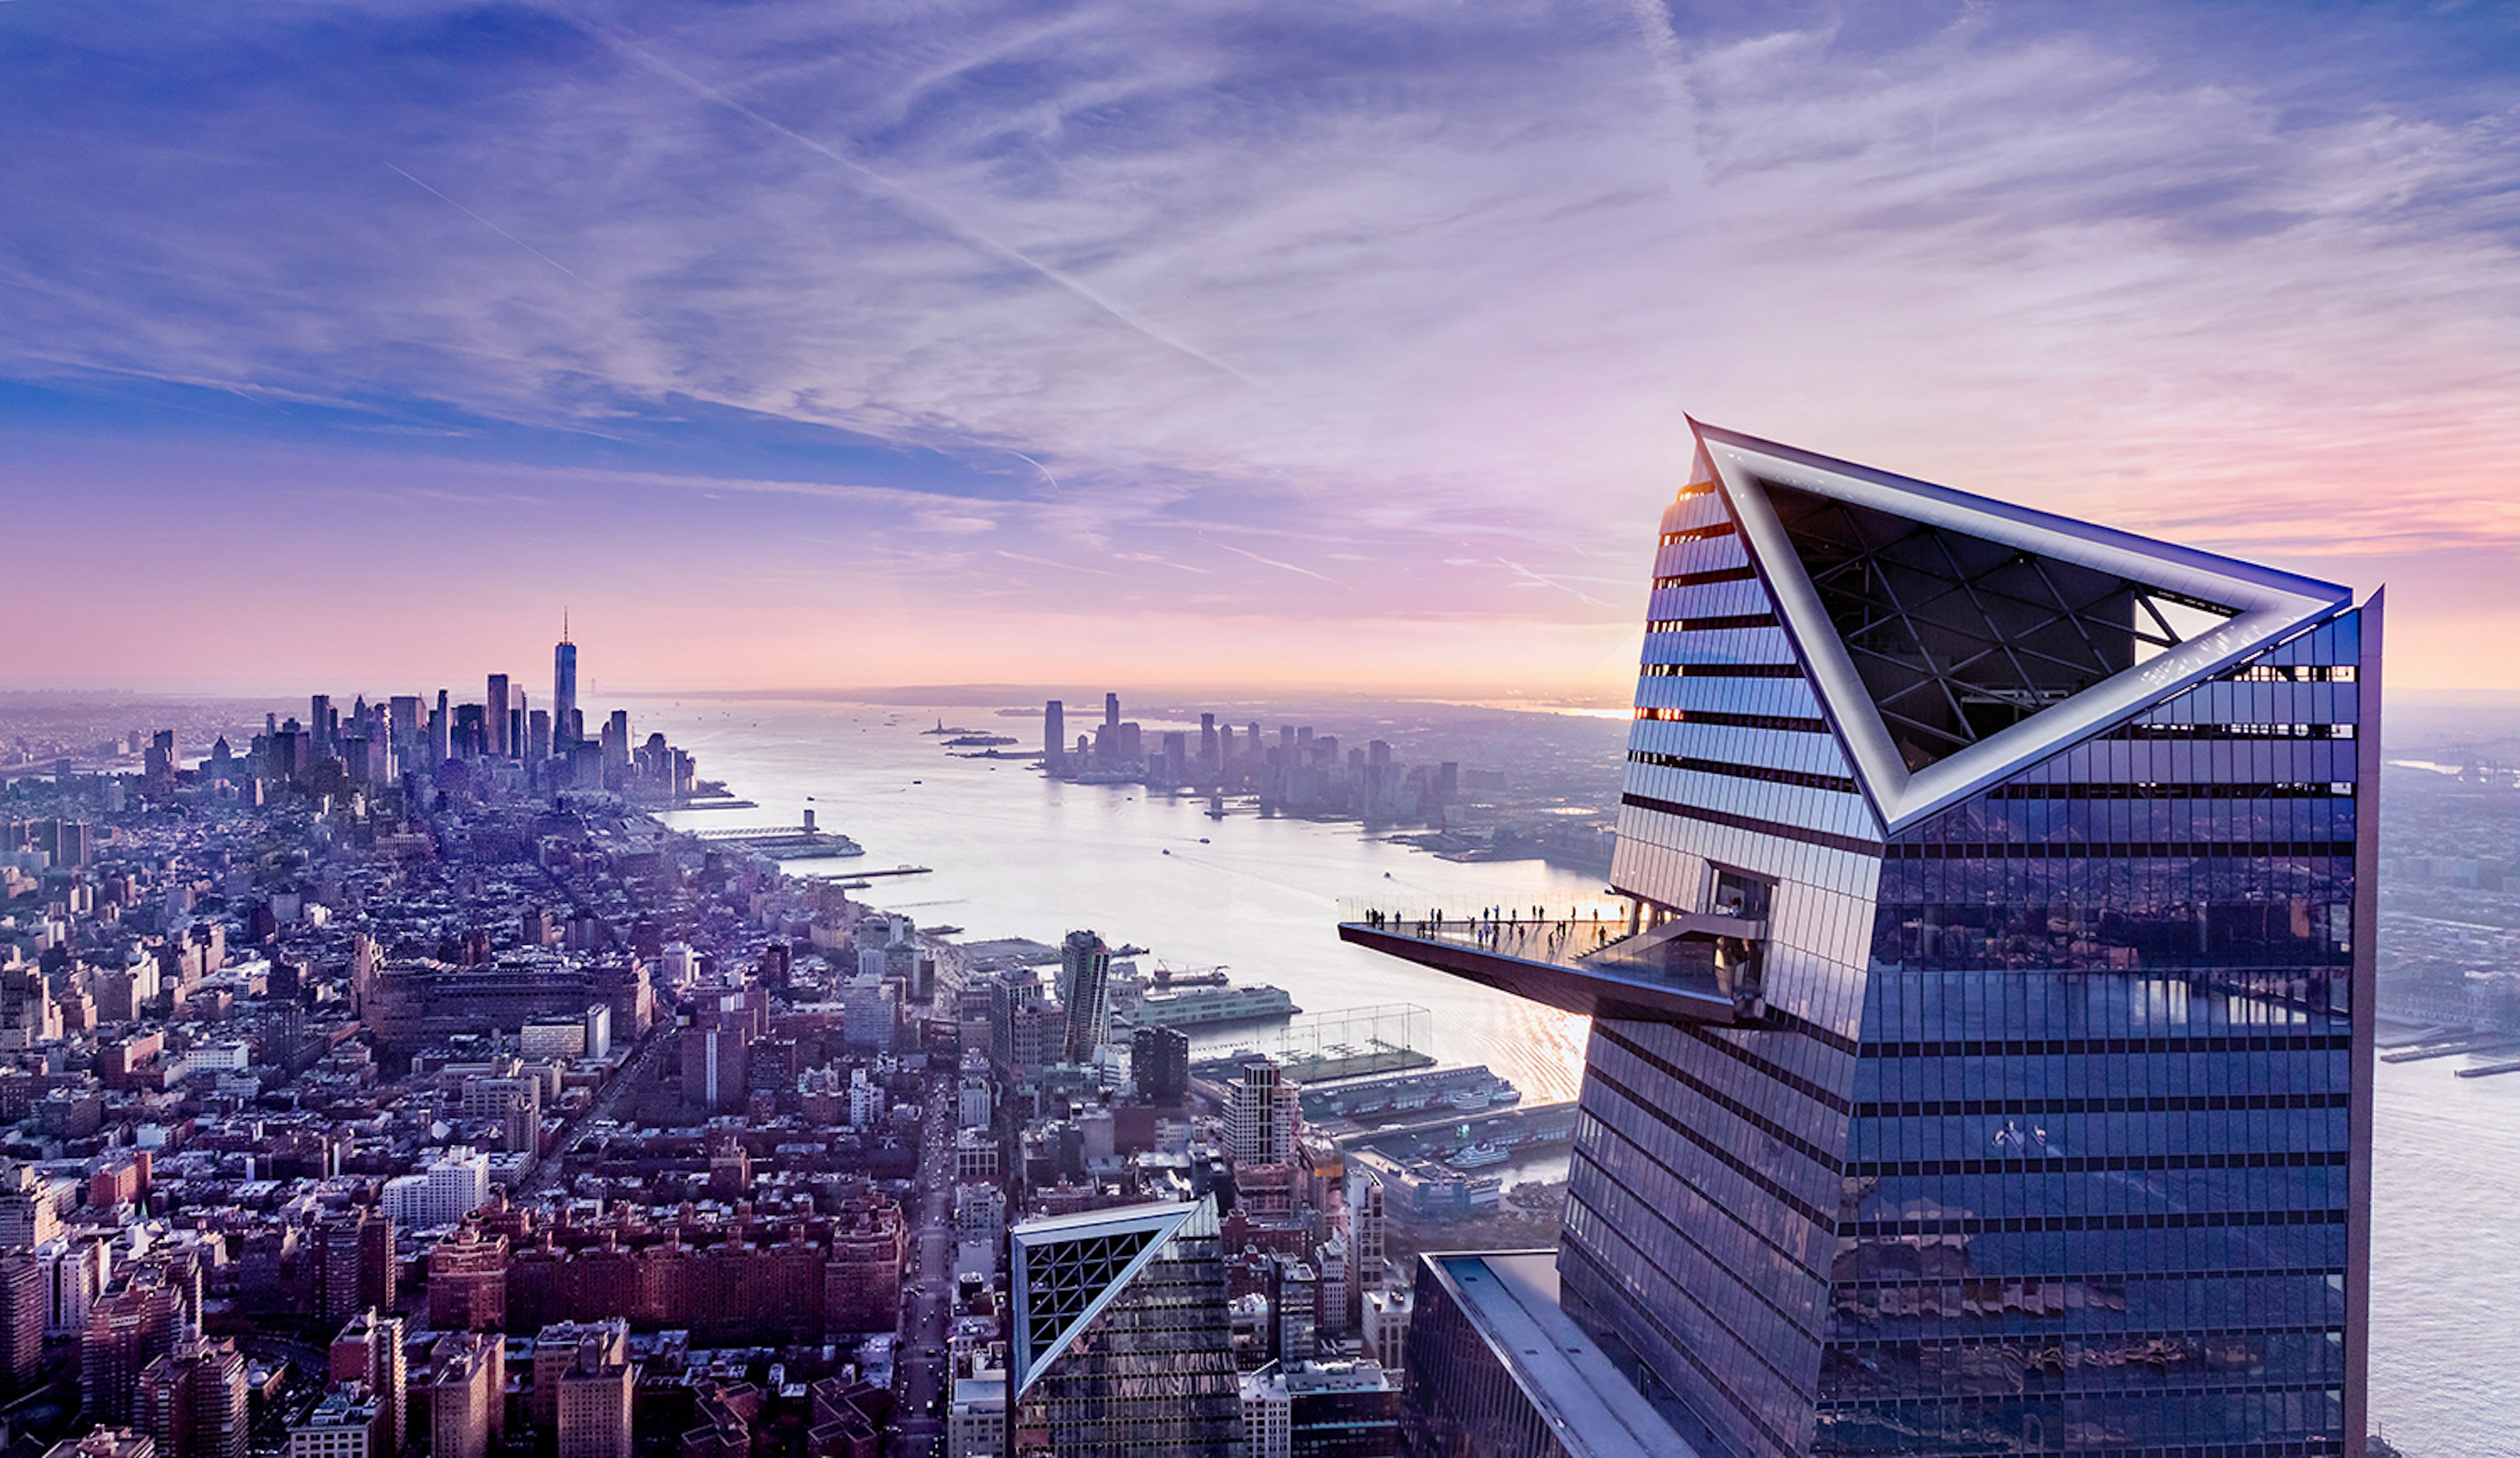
point(1236, 344)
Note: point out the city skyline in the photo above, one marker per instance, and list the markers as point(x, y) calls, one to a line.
point(1052, 729)
point(848, 350)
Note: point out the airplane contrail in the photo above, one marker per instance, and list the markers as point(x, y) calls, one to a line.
point(1044, 470)
point(484, 222)
point(1269, 561)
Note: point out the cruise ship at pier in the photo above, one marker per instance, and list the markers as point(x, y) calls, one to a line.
point(1203, 1006)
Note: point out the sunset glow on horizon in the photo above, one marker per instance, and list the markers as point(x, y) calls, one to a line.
point(788, 346)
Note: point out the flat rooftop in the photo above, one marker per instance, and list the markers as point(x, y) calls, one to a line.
point(1591, 1408)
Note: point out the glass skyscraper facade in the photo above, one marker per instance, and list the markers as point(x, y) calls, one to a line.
point(1123, 1344)
point(2037, 861)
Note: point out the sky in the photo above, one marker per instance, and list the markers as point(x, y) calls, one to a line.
point(813, 345)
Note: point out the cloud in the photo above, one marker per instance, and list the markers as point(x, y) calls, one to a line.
point(1269, 561)
point(1385, 283)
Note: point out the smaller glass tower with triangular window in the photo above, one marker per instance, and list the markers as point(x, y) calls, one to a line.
point(1984, 1065)
point(1123, 1346)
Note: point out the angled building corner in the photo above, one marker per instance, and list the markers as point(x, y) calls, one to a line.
point(1121, 1337)
point(2005, 885)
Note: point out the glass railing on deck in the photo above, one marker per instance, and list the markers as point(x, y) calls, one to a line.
point(1696, 953)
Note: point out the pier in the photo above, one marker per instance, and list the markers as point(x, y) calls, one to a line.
point(1528, 1128)
point(2482, 1042)
point(1347, 1043)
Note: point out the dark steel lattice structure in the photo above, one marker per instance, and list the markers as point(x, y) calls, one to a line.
point(1957, 637)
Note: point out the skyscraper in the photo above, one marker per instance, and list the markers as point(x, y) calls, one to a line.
point(1159, 1061)
point(1053, 734)
point(193, 1400)
point(403, 728)
point(369, 1351)
point(566, 729)
point(1262, 1117)
point(1084, 990)
point(345, 1424)
point(127, 1329)
point(590, 1385)
point(465, 1390)
point(356, 1252)
point(494, 718)
point(23, 1304)
point(1984, 1056)
point(1122, 1341)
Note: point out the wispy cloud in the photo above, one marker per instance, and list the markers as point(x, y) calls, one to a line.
point(1043, 562)
point(1269, 561)
point(1374, 294)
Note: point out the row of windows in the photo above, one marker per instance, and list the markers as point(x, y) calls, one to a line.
point(1697, 534)
point(1706, 577)
point(1738, 1109)
point(1717, 671)
point(2158, 1220)
point(2164, 1103)
point(1724, 719)
point(2230, 731)
point(1826, 839)
point(1911, 1347)
point(2139, 789)
point(2182, 1287)
point(2000, 1048)
point(2078, 1164)
point(1766, 1068)
point(1711, 624)
point(1841, 1436)
point(2107, 820)
point(2187, 850)
point(1804, 778)
point(1698, 1248)
point(2286, 673)
point(1580, 1221)
point(1757, 1178)
point(2239, 1353)
point(1704, 1263)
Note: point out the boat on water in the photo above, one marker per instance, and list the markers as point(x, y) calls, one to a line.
point(1477, 1156)
point(1200, 1007)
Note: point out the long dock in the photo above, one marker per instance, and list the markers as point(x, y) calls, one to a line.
point(2481, 1044)
point(1513, 1129)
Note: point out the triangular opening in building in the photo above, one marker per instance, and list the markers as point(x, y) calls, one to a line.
point(1066, 1278)
point(1957, 638)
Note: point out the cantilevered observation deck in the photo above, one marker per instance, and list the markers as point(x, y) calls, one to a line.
point(1692, 968)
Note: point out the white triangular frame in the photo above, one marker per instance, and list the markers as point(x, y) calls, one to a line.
point(2272, 606)
point(1165, 1221)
